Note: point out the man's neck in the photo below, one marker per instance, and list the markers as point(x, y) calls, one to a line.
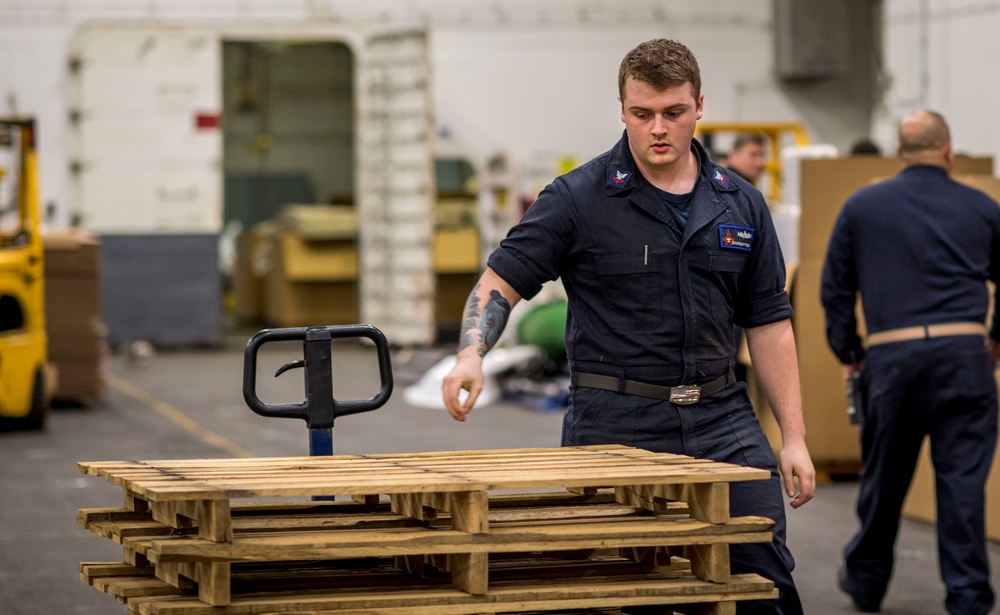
point(678, 178)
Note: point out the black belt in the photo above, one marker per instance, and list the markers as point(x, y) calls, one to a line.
point(684, 394)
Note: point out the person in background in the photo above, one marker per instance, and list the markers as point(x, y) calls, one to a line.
point(660, 251)
point(747, 158)
point(918, 249)
point(865, 147)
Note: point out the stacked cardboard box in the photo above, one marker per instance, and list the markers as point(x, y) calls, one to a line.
point(301, 270)
point(73, 314)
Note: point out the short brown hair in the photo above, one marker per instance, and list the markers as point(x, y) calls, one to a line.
point(661, 63)
point(748, 138)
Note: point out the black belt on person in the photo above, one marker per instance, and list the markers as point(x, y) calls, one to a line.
point(684, 394)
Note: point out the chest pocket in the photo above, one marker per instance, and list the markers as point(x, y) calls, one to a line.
point(631, 292)
point(722, 300)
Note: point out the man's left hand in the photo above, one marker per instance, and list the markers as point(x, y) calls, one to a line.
point(794, 462)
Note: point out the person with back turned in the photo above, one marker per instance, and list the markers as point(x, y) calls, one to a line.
point(660, 251)
point(919, 249)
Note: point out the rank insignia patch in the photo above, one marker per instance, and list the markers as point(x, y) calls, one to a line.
point(618, 178)
point(721, 178)
point(735, 237)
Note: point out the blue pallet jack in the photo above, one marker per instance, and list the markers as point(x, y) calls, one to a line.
point(320, 408)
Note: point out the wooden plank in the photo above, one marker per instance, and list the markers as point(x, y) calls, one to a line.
point(707, 501)
point(214, 520)
point(211, 517)
point(469, 572)
point(574, 468)
point(512, 598)
point(213, 582)
point(419, 541)
point(94, 570)
point(709, 562)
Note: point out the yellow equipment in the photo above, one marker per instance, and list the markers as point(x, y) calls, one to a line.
point(773, 131)
point(23, 350)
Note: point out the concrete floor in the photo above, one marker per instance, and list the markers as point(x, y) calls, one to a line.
point(186, 404)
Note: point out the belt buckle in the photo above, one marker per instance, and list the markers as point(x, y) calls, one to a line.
point(685, 395)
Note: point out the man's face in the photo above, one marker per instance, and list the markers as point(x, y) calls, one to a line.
point(748, 161)
point(659, 123)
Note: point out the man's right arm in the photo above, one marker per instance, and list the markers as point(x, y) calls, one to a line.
point(486, 312)
point(838, 294)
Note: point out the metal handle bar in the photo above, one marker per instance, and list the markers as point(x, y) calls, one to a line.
point(319, 408)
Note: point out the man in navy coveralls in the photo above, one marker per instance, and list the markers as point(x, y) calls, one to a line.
point(661, 252)
point(919, 248)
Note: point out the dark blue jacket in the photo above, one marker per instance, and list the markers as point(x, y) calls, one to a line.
point(646, 300)
point(919, 248)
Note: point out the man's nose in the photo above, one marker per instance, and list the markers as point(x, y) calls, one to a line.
point(660, 125)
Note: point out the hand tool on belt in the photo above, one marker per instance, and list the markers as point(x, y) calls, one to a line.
point(683, 394)
point(920, 332)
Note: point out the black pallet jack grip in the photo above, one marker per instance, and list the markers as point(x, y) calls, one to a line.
point(320, 408)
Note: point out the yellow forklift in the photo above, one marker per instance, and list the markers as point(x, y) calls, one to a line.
point(24, 396)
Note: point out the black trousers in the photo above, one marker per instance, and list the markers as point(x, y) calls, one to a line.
point(722, 428)
point(942, 388)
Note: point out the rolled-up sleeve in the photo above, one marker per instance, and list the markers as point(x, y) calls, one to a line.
point(536, 248)
point(765, 300)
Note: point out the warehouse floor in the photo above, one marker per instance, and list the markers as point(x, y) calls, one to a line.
point(186, 404)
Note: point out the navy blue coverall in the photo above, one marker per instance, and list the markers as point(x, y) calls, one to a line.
point(654, 303)
point(919, 249)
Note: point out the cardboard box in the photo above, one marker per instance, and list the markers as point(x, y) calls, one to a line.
point(73, 321)
point(456, 250)
point(247, 278)
point(316, 222)
point(317, 260)
point(80, 380)
point(71, 253)
point(308, 304)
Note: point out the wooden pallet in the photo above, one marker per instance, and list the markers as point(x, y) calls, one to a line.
point(452, 532)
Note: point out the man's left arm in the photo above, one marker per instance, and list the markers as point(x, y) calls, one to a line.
point(775, 364)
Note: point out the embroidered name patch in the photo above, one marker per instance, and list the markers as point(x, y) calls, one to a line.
point(735, 237)
point(618, 178)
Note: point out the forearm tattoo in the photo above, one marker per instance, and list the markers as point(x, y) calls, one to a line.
point(482, 328)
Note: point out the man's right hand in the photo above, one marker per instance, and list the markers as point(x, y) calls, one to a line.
point(467, 374)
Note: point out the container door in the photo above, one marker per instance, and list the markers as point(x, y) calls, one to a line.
point(148, 144)
point(396, 186)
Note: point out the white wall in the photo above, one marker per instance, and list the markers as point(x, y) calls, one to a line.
point(942, 55)
point(532, 79)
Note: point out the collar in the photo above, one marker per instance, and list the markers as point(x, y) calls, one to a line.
point(621, 173)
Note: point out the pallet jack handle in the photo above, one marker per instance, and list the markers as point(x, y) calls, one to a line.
point(320, 408)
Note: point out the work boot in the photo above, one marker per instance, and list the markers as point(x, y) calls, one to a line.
point(862, 606)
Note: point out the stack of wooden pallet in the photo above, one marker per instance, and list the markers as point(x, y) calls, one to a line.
point(498, 531)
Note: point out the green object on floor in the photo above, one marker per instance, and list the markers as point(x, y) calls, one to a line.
point(545, 326)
